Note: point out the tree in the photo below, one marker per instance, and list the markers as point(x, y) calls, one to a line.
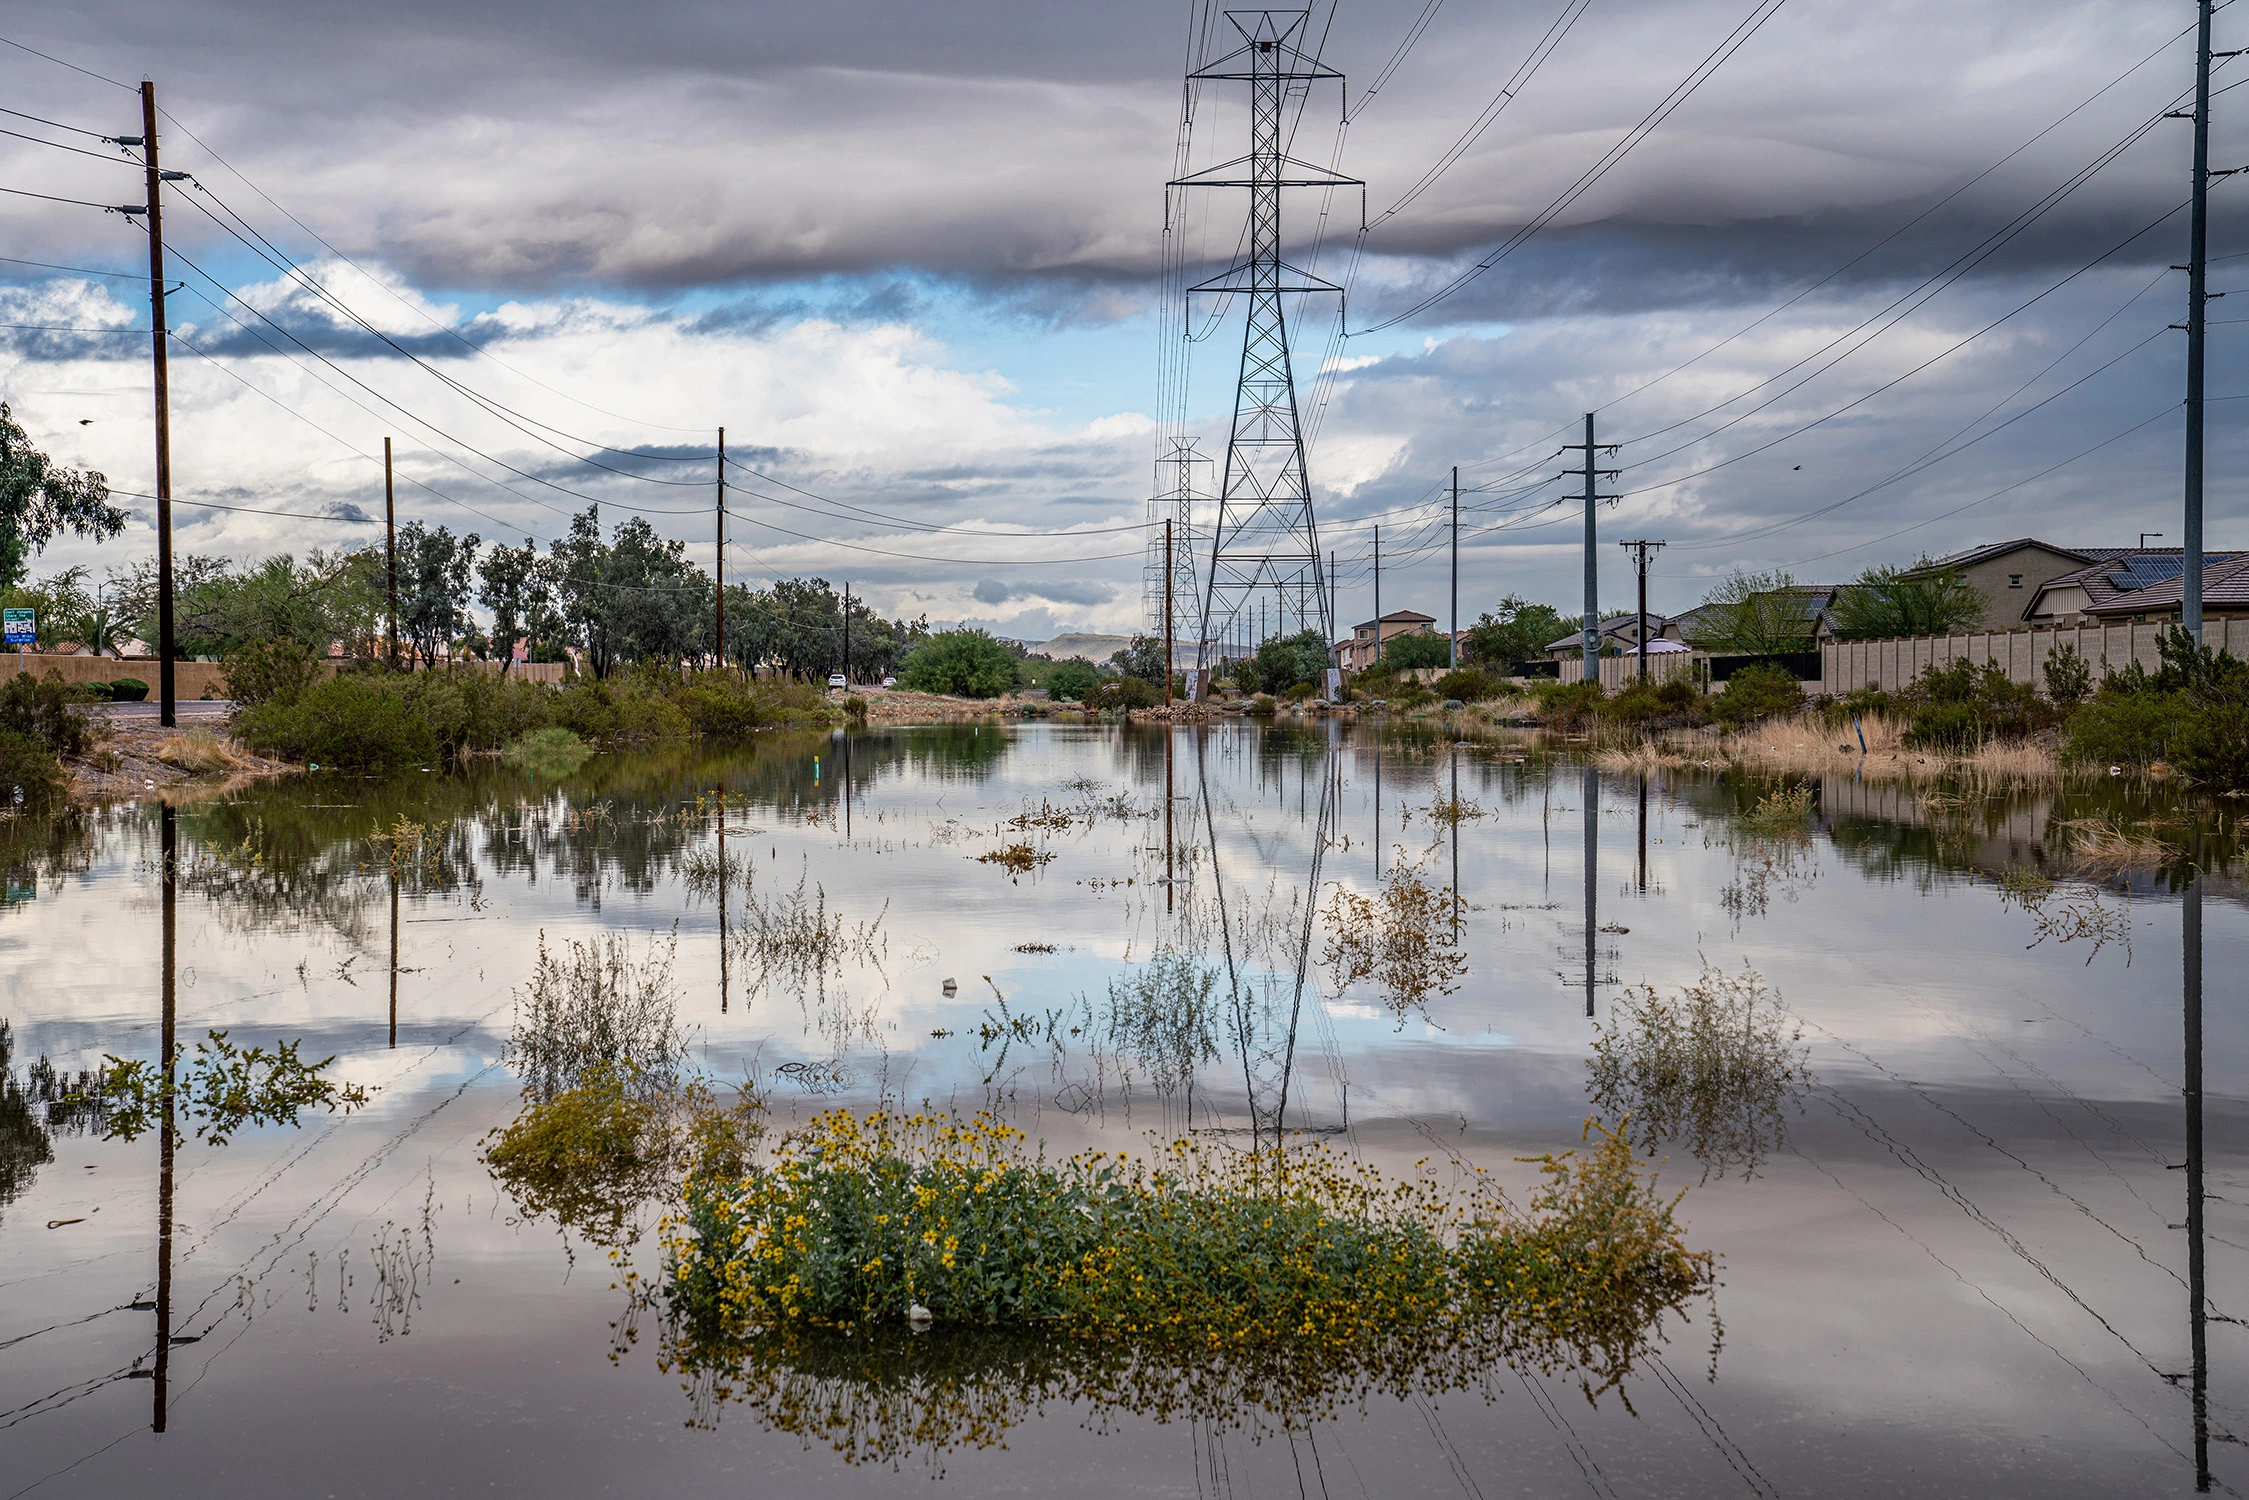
point(661, 604)
point(434, 569)
point(1517, 630)
point(1755, 614)
point(969, 663)
point(1143, 659)
point(1416, 648)
point(38, 499)
point(1283, 661)
point(1073, 680)
point(518, 592)
point(1888, 603)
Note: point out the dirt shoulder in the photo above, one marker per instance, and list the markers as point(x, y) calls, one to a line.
point(136, 757)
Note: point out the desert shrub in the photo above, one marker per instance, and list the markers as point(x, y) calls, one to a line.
point(1263, 705)
point(1960, 705)
point(1758, 691)
point(1073, 680)
point(40, 708)
point(2193, 712)
point(1569, 705)
point(269, 668)
point(2069, 677)
point(1673, 704)
point(1125, 693)
point(30, 776)
point(967, 663)
point(552, 751)
point(128, 690)
point(355, 719)
point(1469, 685)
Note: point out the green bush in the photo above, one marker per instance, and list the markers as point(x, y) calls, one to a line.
point(40, 709)
point(1959, 706)
point(30, 776)
point(1469, 685)
point(1674, 704)
point(128, 690)
point(355, 719)
point(1125, 694)
point(1758, 691)
point(272, 668)
point(1283, 661)
point(2192, 713)
point(2069, 677)
point(1568, 705)
point(1071, 681)
point(965, 663)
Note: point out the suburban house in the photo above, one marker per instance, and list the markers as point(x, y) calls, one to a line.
point(2009, 575)
point(2125, 584)
point(1811, 601)
point(1619, 635)
point(1358, 653)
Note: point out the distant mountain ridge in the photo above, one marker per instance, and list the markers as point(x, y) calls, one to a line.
point(1080, 644)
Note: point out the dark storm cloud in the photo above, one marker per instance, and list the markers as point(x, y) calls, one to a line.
point(1023, 147)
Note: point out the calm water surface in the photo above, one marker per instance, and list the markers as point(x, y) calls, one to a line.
point(1965, 1266)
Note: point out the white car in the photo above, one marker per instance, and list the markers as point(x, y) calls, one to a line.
point(836, 680)
point(890, 682)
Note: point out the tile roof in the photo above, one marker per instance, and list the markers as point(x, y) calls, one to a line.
point(2128, 571)
point(2225, 584)
point(1624, 625)
point(1990, 550)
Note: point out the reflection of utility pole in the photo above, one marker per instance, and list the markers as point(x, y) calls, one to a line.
point(2190, 944)
point(168, 1133)
point(1167, 655)
point(1452, 660)
point(394, 946)
point(1590, 793)
point(720, 790)
point(1454, 756)
point(1169, 736)
point(1643, 833)
point(847, 786)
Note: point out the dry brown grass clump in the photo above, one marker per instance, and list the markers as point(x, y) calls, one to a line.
point(201, 752)
point(1017, 858)
point(2098, 849)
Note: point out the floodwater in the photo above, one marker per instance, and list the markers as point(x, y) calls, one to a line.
point(1983, 1219)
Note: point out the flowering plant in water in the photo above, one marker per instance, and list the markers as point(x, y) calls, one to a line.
point(1206, 1282)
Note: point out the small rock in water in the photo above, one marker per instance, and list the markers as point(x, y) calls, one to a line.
point(951, 986)
point(919, 1317)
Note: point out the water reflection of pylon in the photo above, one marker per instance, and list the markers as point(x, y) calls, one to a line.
point(1265, 1010)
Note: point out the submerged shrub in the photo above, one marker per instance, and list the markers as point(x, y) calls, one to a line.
point(1405, 939)
point(1209, 1282)
point(30, 776)
point(552, 751)
point(1961, 706)
point(1569, 705)
point(40, 709)
point(2193, 712)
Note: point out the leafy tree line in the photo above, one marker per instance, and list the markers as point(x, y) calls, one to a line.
point(625, 598)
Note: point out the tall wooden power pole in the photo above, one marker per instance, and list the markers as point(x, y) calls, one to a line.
point(1640, 551)
point(390, 554)
point(719, 560)
point(2198, 268)
point(166, 643)
point(1452, 660)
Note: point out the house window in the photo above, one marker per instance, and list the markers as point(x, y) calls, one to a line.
point(2014, 580)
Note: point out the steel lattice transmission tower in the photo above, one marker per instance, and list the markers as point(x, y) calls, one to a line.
point(1265, 536)
point(1174, 499)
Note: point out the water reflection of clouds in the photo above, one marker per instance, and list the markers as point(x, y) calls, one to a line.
point(1902, 953)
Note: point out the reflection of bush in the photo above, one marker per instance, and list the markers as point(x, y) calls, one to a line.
point(1404, 939)
point(1711, 1068)
point(1258, 1287)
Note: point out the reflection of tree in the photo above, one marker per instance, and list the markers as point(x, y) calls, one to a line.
point(1711, 1068)
point(24, 1147)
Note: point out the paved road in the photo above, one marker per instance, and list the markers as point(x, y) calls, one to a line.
point(187, 708)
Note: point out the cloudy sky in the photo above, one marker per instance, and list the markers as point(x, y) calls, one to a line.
point(1892, 278)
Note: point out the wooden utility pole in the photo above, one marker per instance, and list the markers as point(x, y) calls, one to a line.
point(1640, 551)
point(1452, 660)
point(719, 560)
point(847, 634)
point(1167, 665)
point(2198, 269)
point(390, 553)
point(166, 645)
